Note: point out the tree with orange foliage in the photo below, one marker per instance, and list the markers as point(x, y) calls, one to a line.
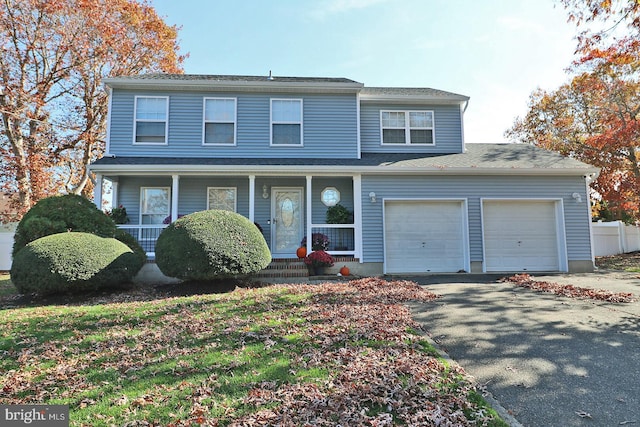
point(53, 108)
point(596, 116)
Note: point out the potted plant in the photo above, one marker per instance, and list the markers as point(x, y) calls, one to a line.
point(317, 261)
point(319, 242)
point(118, 215)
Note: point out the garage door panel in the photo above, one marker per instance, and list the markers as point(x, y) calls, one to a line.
point(424, 236)
point(520, 236)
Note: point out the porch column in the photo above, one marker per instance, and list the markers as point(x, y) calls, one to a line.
point(175, 180)
point(97, 191)
point(357, 216)
point(114, 192)
point(252, 197)
point(309, 216)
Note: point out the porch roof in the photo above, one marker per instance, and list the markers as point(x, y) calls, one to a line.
point(514, 159)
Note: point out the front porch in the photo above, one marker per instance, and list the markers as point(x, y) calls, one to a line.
point(286, 208)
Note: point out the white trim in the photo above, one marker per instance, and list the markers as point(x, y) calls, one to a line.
point(357, 216)
point(107, 146)
point(174, 195)
point(235, 196)
point(166, 121)
point(407, 128)
point(329, 170)
point(464, 148)
point(204, 121)
point(464, 202)
point(141, 198)
point(272, 122)
point(252, 198)
point(358, 126)
point(97, 191)
point(309, 213)
point(561, 236)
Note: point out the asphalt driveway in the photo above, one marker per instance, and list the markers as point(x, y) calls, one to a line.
point(548, 360)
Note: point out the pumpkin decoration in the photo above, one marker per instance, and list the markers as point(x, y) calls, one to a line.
point(301, 252)
point(345, 271)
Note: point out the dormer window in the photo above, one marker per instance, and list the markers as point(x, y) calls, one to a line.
point(151, 114)
point(286, 122)
point(407, 127)
point(219, 121)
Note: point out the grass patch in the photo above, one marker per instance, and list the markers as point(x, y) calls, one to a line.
point(629, 262)
point(6, 287)
point(283, 354)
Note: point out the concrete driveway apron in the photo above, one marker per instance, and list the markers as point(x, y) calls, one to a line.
point(549, 360)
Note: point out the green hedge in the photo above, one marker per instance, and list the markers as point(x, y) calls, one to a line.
point(68, 262)
point(211, 245)
point(59, 214)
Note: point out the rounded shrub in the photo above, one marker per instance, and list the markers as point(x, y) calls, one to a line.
point(133, 244)
point(210, 245)
point(68, 262)
point(59, 214)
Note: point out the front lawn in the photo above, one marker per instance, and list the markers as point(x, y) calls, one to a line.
point(625, 262)
point(332, 354)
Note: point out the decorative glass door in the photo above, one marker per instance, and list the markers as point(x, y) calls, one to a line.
point(286, 224)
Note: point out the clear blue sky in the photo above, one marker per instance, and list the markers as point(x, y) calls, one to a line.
point(495, 51)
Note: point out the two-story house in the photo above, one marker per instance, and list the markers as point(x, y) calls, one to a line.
point(282, 150)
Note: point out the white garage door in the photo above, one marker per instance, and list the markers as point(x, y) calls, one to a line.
point(424, 236)
point(520, 236)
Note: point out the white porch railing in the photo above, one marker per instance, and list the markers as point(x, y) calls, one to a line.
point(341, 237)
point(146, 235)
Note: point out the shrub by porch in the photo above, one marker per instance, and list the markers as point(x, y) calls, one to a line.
point(211, 245)
point(66, 262)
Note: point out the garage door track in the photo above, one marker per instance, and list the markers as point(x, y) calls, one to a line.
point(549, 360)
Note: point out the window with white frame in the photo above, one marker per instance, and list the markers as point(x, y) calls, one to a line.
point(223, 198)
point(219, 121)
point(407, 127)
point(151, 119)
point(286, 122)
point(155, 204)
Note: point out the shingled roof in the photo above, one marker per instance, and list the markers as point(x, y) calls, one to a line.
point(478, 158)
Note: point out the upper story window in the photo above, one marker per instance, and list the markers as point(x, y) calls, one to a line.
point(286, 122)
point(407, 127)
point(219, 121)
point(151, 114)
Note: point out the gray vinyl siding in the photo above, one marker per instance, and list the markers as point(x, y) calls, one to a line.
point(447, 123)
point(342, 184)
point(329, 126)
point(576, 215)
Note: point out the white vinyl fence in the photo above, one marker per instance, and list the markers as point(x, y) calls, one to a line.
point(6, 244)
point(611, 238)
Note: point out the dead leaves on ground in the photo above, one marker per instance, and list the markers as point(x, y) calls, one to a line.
point(526, 281)
point(359, 334)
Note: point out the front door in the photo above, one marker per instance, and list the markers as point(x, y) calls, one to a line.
point(287, 225)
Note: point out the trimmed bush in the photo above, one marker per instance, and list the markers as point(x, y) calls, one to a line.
point(133, 244)
point(59, 214)
point(211, 245)
point(68, 262)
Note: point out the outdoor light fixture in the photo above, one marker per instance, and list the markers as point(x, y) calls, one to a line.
point(372, 197)
point(265, 192)
point(577, 197)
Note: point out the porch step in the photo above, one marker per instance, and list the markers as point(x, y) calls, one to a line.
point(294, 268)
point(285, 267)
